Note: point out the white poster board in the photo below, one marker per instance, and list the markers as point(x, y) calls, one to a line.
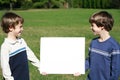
point(62, 55)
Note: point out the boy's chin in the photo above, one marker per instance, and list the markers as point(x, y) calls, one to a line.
point(94, 33)
point(18, 36)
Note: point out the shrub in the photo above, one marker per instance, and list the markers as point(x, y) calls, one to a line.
point(38, 5)
point(27, 5)
point(57, 4)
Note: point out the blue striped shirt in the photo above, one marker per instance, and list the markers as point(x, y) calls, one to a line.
point(104, 60)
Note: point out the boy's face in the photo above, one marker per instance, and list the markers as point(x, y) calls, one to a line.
point(17, 30)
point(96, 30)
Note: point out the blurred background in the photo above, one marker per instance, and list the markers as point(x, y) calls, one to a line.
point(38, 4)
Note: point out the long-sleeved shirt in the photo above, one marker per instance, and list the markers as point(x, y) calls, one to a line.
point(104, 60)
point(14, 57)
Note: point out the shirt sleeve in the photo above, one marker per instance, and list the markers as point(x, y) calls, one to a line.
point(115, 64)
point(87, 64)
point(31, 57)
point(87, 61)
point(4, 56)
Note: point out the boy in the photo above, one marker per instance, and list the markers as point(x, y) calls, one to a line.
point(104, 52)
point(14, 50)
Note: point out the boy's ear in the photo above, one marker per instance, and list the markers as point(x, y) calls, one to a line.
point(10, 28)
point(102, 28)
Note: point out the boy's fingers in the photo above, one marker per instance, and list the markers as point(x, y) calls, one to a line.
point(44, 73)
point(77, 74)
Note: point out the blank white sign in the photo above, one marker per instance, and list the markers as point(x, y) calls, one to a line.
point(62, 55)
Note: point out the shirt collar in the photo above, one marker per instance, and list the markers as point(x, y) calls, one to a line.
point(12, 42)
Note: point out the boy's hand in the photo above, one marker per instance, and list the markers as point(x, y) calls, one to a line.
point(77, 74)
point(44, 73)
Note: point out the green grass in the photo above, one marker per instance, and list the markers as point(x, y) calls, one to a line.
point(59, 23)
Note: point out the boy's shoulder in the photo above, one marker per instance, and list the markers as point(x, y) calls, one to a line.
point(113, 41)
point(5, 44)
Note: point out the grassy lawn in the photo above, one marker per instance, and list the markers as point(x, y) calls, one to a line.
point(59, 23)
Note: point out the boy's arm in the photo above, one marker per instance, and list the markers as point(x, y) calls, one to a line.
point(32, 58)
point(5, 63)
point(115, 65)
point(87, 64)
point(87, 61)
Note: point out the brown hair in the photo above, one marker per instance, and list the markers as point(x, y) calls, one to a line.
point(102, 19)
point(10, 19)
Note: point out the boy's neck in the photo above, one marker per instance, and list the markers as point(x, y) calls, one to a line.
point(104, 36)
point(11, 37)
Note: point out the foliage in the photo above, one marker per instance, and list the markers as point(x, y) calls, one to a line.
point(26, 5)
point(38, 5)
point(49, 4)
point(59, 4)
point(115, 3)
